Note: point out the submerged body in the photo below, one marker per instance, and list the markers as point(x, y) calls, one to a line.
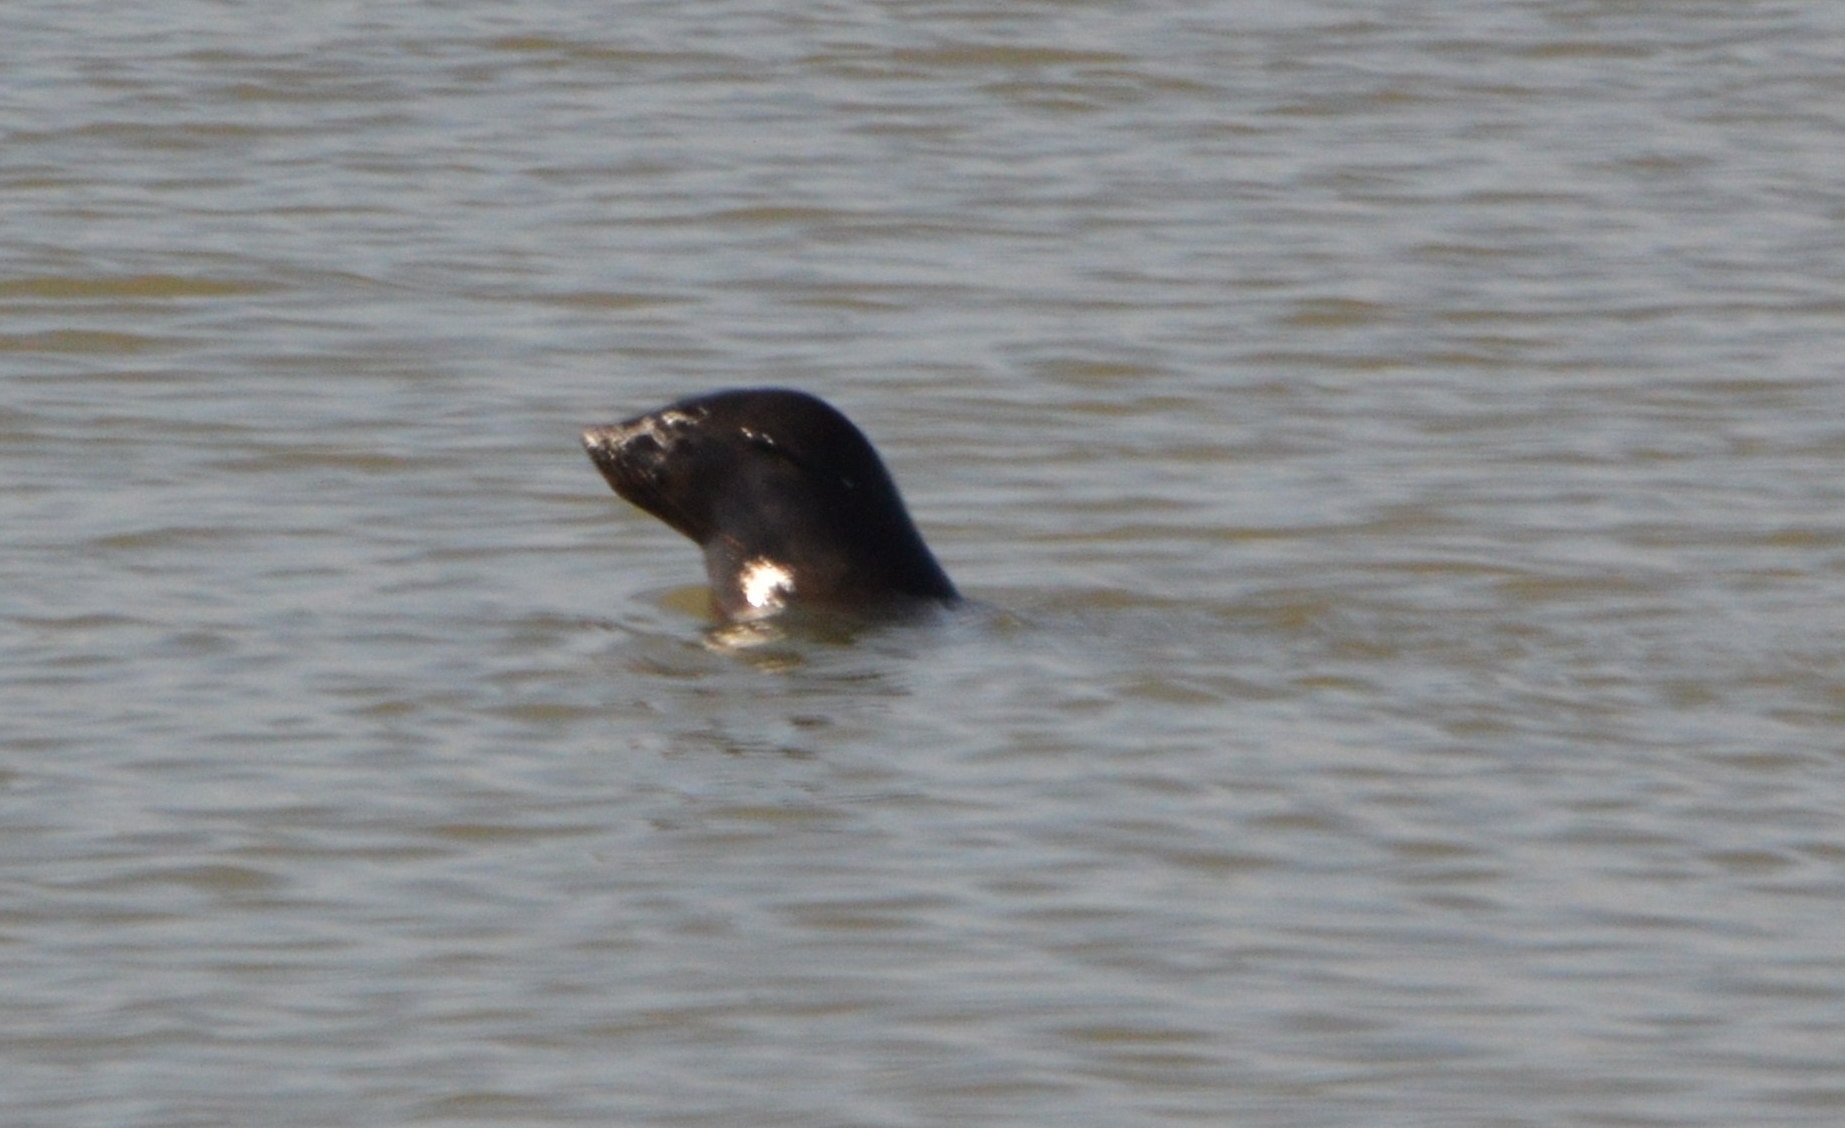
point(788, 500)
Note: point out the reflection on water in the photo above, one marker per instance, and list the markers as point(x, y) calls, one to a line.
point(1395, 463)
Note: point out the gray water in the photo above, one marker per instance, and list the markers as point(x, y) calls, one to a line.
point(1397, 452)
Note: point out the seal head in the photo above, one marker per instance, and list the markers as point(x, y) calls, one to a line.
point(786, 497)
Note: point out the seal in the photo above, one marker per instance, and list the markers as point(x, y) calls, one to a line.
point(790, 503)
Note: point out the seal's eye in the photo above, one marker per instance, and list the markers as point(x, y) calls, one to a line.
point(763, 442)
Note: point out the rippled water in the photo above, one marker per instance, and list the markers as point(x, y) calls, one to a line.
point(1398, 452)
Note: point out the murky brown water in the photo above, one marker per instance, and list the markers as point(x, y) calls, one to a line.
point(1399, 452)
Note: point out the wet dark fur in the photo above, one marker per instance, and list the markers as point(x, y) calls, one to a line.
point(771, 475)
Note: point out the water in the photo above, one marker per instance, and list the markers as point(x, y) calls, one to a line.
point(1396, 451)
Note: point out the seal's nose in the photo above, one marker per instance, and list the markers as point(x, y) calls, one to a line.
point(597, 440)
point(624, 441)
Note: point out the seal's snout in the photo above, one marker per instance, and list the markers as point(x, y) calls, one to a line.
point(609, 439)
point(622, 449)
point(624, 453)
point(641, 437)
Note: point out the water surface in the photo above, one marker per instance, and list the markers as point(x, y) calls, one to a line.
point(1397, 453)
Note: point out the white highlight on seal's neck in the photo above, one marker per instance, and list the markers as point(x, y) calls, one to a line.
point(766, 585)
